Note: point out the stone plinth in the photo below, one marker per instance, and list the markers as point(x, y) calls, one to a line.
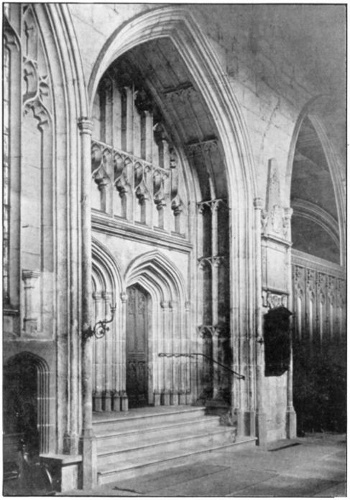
point(64, 469)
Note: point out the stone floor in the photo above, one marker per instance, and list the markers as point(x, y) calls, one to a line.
point(313, 466)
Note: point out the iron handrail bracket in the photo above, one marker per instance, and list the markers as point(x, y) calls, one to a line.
point(192, 354)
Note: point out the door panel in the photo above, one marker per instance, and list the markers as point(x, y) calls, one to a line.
point(136, 347)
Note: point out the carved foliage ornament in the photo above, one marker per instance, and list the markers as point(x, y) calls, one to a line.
point(215, 261)
point(203, 148)
point(100, 156)
point(36, 88)
point(274, 300)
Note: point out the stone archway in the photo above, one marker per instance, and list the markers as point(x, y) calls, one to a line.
point(107, 368)
point(318, 284)
point(176, 26)
point(169, 379)
point(26, 403)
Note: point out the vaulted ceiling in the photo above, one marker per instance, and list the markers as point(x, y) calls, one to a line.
point(315, 218)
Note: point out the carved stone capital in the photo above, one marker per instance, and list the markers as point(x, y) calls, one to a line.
point(273, 300)
point(97, 296)
point(203, 147)
point(29, 277)
point(213, 205)
point(85, 125)
point(258, 204)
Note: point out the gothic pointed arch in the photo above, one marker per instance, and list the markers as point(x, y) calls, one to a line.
point(27, 402)
point(107, 288)
point(169, 377)
point(109, 270)
point(311, 116)
point(315, 184)
point(158, 265)
point(215, 155)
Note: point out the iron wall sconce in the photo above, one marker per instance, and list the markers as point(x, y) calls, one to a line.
point(100, 329)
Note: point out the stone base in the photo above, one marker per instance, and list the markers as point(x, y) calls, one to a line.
point(216, 407)
point(261, 429)
point(64, 469)
point(182, 398)
point(89, 465)
point(291, 424)
point(221, 408)
point(156, 399)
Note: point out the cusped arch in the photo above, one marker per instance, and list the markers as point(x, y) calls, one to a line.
point(156, 270)
point(105, 269)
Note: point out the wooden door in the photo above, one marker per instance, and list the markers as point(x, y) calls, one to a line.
point(136, 347)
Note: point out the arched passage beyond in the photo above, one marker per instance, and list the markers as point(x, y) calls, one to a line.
point(317, 225)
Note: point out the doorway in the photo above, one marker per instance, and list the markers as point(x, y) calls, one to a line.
point(137, 362)
point(21, 405)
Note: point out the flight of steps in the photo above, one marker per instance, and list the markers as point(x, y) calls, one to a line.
point(152, 439)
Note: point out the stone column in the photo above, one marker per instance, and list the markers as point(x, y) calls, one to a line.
point(108, 358)
point(167, 365)
point(261, 428)
point(291, 418)
point(129, 119)
point(124, 402)
point(87, 439)
point(214, 206)
point(109, 112)
point(187, 367)
point(148, 136)
point(97, 399)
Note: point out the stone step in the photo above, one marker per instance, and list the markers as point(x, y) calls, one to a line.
point(105, 423)
point(156, 462)
point(119, 439)
point(136, 452)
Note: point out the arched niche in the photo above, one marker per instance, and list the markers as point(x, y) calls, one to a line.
point(107, 287)
point(27, 403)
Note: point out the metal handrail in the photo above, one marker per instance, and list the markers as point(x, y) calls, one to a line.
point(191, 354)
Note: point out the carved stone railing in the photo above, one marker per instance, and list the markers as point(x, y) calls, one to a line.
point(131, 174)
